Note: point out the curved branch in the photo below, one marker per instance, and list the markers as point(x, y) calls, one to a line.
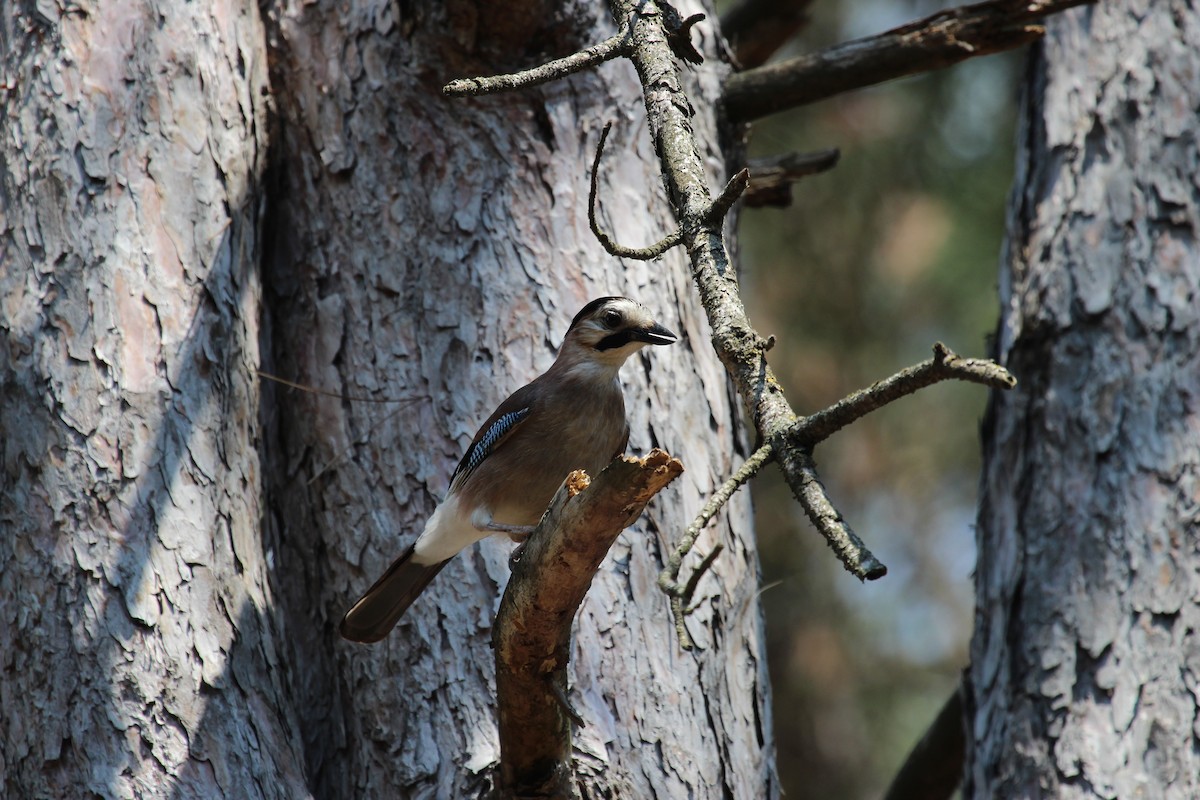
point(938, 41)
point(729, 195)
point(668, 580)
point(612, 247)
point(533, 627)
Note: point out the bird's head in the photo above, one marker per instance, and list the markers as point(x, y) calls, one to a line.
point(609, 330)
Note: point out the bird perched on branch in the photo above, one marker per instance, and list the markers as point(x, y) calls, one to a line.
point(571, 417)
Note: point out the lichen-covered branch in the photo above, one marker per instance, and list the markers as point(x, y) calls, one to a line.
point(741, 349)
point(938, 41)
point(533, 627)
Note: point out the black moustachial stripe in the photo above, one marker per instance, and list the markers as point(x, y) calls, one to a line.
point(494, 434)
point(614, 340)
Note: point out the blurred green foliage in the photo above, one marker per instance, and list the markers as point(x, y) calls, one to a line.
point(876, 260)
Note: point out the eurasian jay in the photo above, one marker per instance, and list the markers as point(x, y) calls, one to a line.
point(571, 417)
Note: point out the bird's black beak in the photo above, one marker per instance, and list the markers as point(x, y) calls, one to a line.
point(655, 334)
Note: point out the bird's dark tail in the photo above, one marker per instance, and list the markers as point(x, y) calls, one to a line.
point(378, 611)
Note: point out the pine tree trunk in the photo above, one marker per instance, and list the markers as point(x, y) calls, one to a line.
point(1084, 673)
point(179, 539)
point(433, 251)
point(137, 624)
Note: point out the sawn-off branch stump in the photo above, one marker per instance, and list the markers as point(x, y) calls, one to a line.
point(532, 636)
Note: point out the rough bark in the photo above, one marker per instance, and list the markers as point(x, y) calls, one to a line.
point(435, 249)
point(138, 639)
point(1085, 672)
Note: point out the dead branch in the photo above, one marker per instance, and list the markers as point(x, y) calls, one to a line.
point(613, 47)
point(533, 627)
point(938, 41)
point(741, 349)
point(612, 247)
point(801, 474)
point(771, 178)
point(945, 365)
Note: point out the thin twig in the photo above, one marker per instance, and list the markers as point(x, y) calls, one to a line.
point(668, 579)
point(728, 196)
point(679, 32)
point(938, 41)
point(613, 47)
point(613, 248)
point(326, 393)
point(560, 696)
point(704, 566)
point(945, 365)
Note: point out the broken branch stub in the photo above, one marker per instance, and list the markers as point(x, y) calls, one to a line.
point(532, 635)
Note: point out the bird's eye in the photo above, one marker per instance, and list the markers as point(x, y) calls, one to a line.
point(612, 318)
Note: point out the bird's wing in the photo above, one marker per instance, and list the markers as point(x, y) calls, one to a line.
point(507, 417)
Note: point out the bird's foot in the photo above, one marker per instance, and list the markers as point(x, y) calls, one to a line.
point(512, 530)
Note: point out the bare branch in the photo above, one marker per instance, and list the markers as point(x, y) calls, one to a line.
point(944, 365)
point(801, 474)
point(668, 579)
point(612, 247)
point(593, 56)
point(934, 768)
point(533, 627)
point(741, 349)
point(771, 178)
point(938, 41)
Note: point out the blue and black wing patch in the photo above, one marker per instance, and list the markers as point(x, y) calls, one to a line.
point(487, 441)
